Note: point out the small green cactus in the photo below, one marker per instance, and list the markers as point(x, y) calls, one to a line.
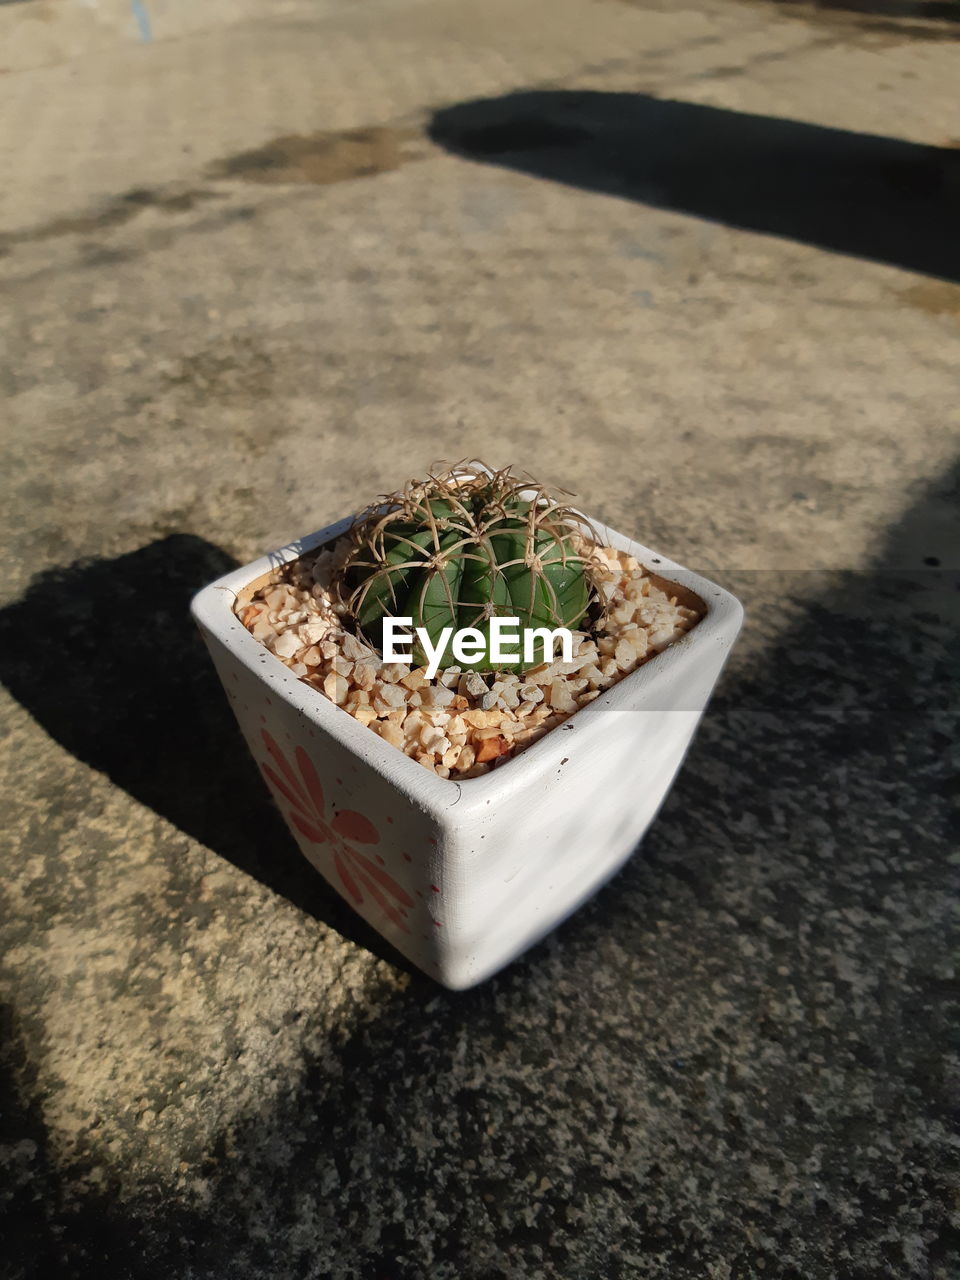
point(462, 547)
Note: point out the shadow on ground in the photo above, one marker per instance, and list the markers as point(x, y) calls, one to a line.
point(732, 1062)
point(139, 700)
point(945, 11)
point(852, 193)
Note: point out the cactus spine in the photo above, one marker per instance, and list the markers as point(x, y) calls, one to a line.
point(462, 547)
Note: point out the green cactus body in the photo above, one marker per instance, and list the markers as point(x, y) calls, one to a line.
point(460, 549)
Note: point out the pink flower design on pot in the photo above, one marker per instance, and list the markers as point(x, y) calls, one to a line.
point(307, 812)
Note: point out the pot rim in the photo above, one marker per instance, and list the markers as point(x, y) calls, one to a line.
point(212, 608)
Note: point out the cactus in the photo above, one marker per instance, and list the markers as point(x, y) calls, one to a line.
point(461, 547)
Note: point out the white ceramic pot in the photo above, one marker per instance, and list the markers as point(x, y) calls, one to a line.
point(463, 876)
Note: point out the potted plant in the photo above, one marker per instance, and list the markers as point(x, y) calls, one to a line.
point(462, 795)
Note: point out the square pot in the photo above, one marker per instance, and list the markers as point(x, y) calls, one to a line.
point(461, 877)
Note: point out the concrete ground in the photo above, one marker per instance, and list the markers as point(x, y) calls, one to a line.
point(696, 263)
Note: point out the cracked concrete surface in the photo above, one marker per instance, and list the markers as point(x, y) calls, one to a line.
point(248, 282)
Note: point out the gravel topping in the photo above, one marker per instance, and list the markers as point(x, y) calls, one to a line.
point(460, 724)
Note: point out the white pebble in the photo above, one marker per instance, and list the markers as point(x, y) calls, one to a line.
point(335, 687)
point(391, 695)
point(434, 740)
point(288, 645)
point(313, 632)
point(352, 648)
point(625, 654)
point(472, 685)
point(392, 672)
point(437, 696)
